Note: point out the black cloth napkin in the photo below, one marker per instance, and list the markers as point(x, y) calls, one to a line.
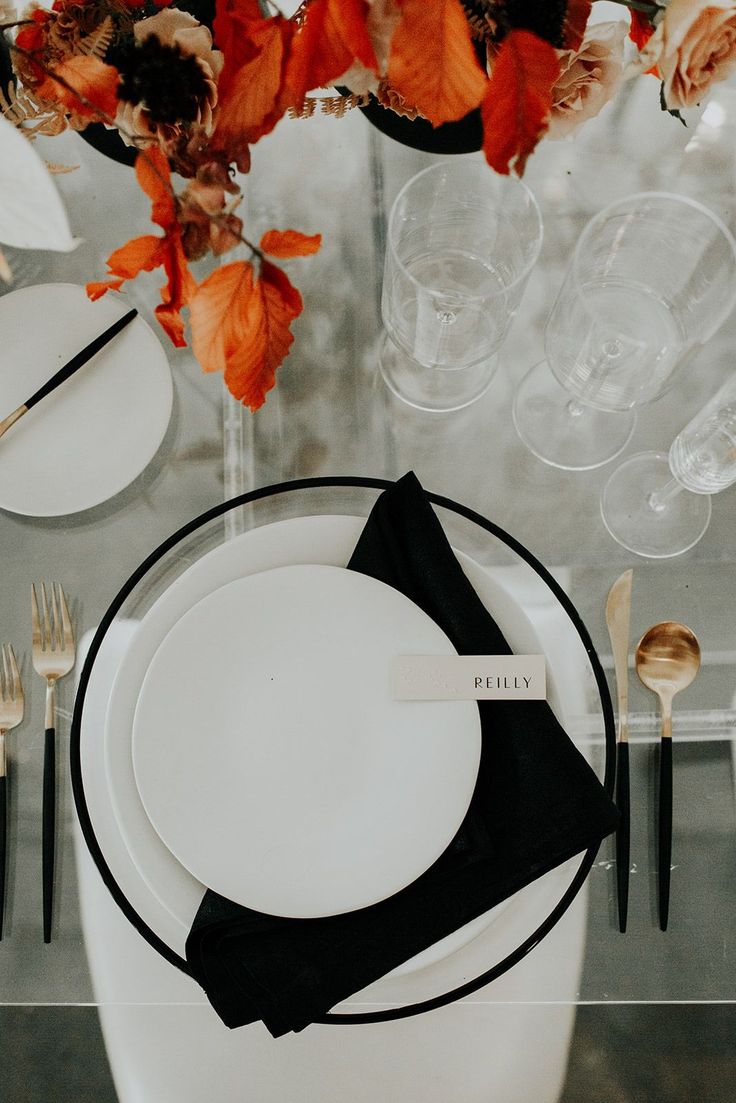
point(536, 804)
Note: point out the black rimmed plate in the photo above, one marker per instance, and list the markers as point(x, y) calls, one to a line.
point(539, 907)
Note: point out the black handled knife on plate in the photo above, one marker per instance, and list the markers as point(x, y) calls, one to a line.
point(69, 369)
point(618, 615)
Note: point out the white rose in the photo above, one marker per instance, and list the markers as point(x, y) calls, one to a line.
point(693, 46)
point(589, 77)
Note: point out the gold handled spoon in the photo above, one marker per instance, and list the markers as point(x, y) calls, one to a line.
point(667, 660)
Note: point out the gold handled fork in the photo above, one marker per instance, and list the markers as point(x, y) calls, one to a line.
point(53, 657)
point(11, 714)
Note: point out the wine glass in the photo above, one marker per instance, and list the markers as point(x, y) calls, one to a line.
point(659, 505)
point(461, 244)
point(651, 276)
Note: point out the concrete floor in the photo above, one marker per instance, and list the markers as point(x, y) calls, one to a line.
point(620, 1054)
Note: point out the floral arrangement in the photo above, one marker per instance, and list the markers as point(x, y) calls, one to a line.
point(192, 84)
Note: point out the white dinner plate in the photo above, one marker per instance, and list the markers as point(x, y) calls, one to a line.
point(164, 894)
point(95, 433)
point(272, 759)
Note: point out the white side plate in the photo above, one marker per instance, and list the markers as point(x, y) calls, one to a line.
point(95, 433)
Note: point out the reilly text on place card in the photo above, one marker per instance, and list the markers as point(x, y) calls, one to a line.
point(468, 677)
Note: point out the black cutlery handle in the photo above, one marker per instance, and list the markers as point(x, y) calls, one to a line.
point(3, 845)
point(49, 829)
point(623, 833)
point(80, 359)
point(665, 829)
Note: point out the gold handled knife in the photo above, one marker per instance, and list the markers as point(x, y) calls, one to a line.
point(618, 616)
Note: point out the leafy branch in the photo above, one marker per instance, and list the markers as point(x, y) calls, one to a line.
point(136, 140)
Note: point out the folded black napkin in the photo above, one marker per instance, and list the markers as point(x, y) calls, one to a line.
point(536, 804)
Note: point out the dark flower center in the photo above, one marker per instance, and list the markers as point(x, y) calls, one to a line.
point(170, 84)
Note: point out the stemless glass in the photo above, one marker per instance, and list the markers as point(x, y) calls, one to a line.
point(461, 244)
point(659, 505)
point(651, 276)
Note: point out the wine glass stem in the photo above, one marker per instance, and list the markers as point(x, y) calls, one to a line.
point(597, 369)
point(659, 499)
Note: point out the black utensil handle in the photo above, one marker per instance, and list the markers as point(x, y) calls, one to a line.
point(623, 833)
point(81, 358)
point(665, 829)
point(3, 845)
point(49, 828)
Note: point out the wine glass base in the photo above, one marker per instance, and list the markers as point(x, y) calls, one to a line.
point(633, 522)
point(562, 432)
point(433, 389)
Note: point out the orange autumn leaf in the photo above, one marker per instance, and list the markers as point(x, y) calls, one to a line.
point(140, 254)
point(32, 39)
point(235, 20)
point(89, 87)
point(178, 290)
point(290, 243)
point(97, 288)
point(432, 62)
point(575, 22)
point(517, 105)
point(143, 254)
point(221, 313)
point(249, 95)
point(154, 176)
point(240, 326)
point(641, 29)
point(332, 37)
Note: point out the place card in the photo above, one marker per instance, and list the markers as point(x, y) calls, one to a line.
point(469, 678)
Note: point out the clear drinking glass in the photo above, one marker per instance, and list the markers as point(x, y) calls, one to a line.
point(659, 505)
point(651, 276)
point(461, 244)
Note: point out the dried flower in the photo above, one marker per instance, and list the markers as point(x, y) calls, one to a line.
point(170, 78)
point(169, 83)
point(588, 78)
point(206, 222)
point(189, 154)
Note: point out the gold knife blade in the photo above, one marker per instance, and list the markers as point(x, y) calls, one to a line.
point(618, 616)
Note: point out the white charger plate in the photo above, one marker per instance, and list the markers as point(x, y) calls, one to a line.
point(272, 759)
point(165, 895)
point(89, 439)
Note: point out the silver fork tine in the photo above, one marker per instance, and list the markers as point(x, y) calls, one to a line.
point(17, 684)
point(37, 637)
point(66, 620)
point(57, 642)
point(48, 639)
point(4, 681)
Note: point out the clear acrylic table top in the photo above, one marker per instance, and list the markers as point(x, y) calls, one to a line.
point(332, 415)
